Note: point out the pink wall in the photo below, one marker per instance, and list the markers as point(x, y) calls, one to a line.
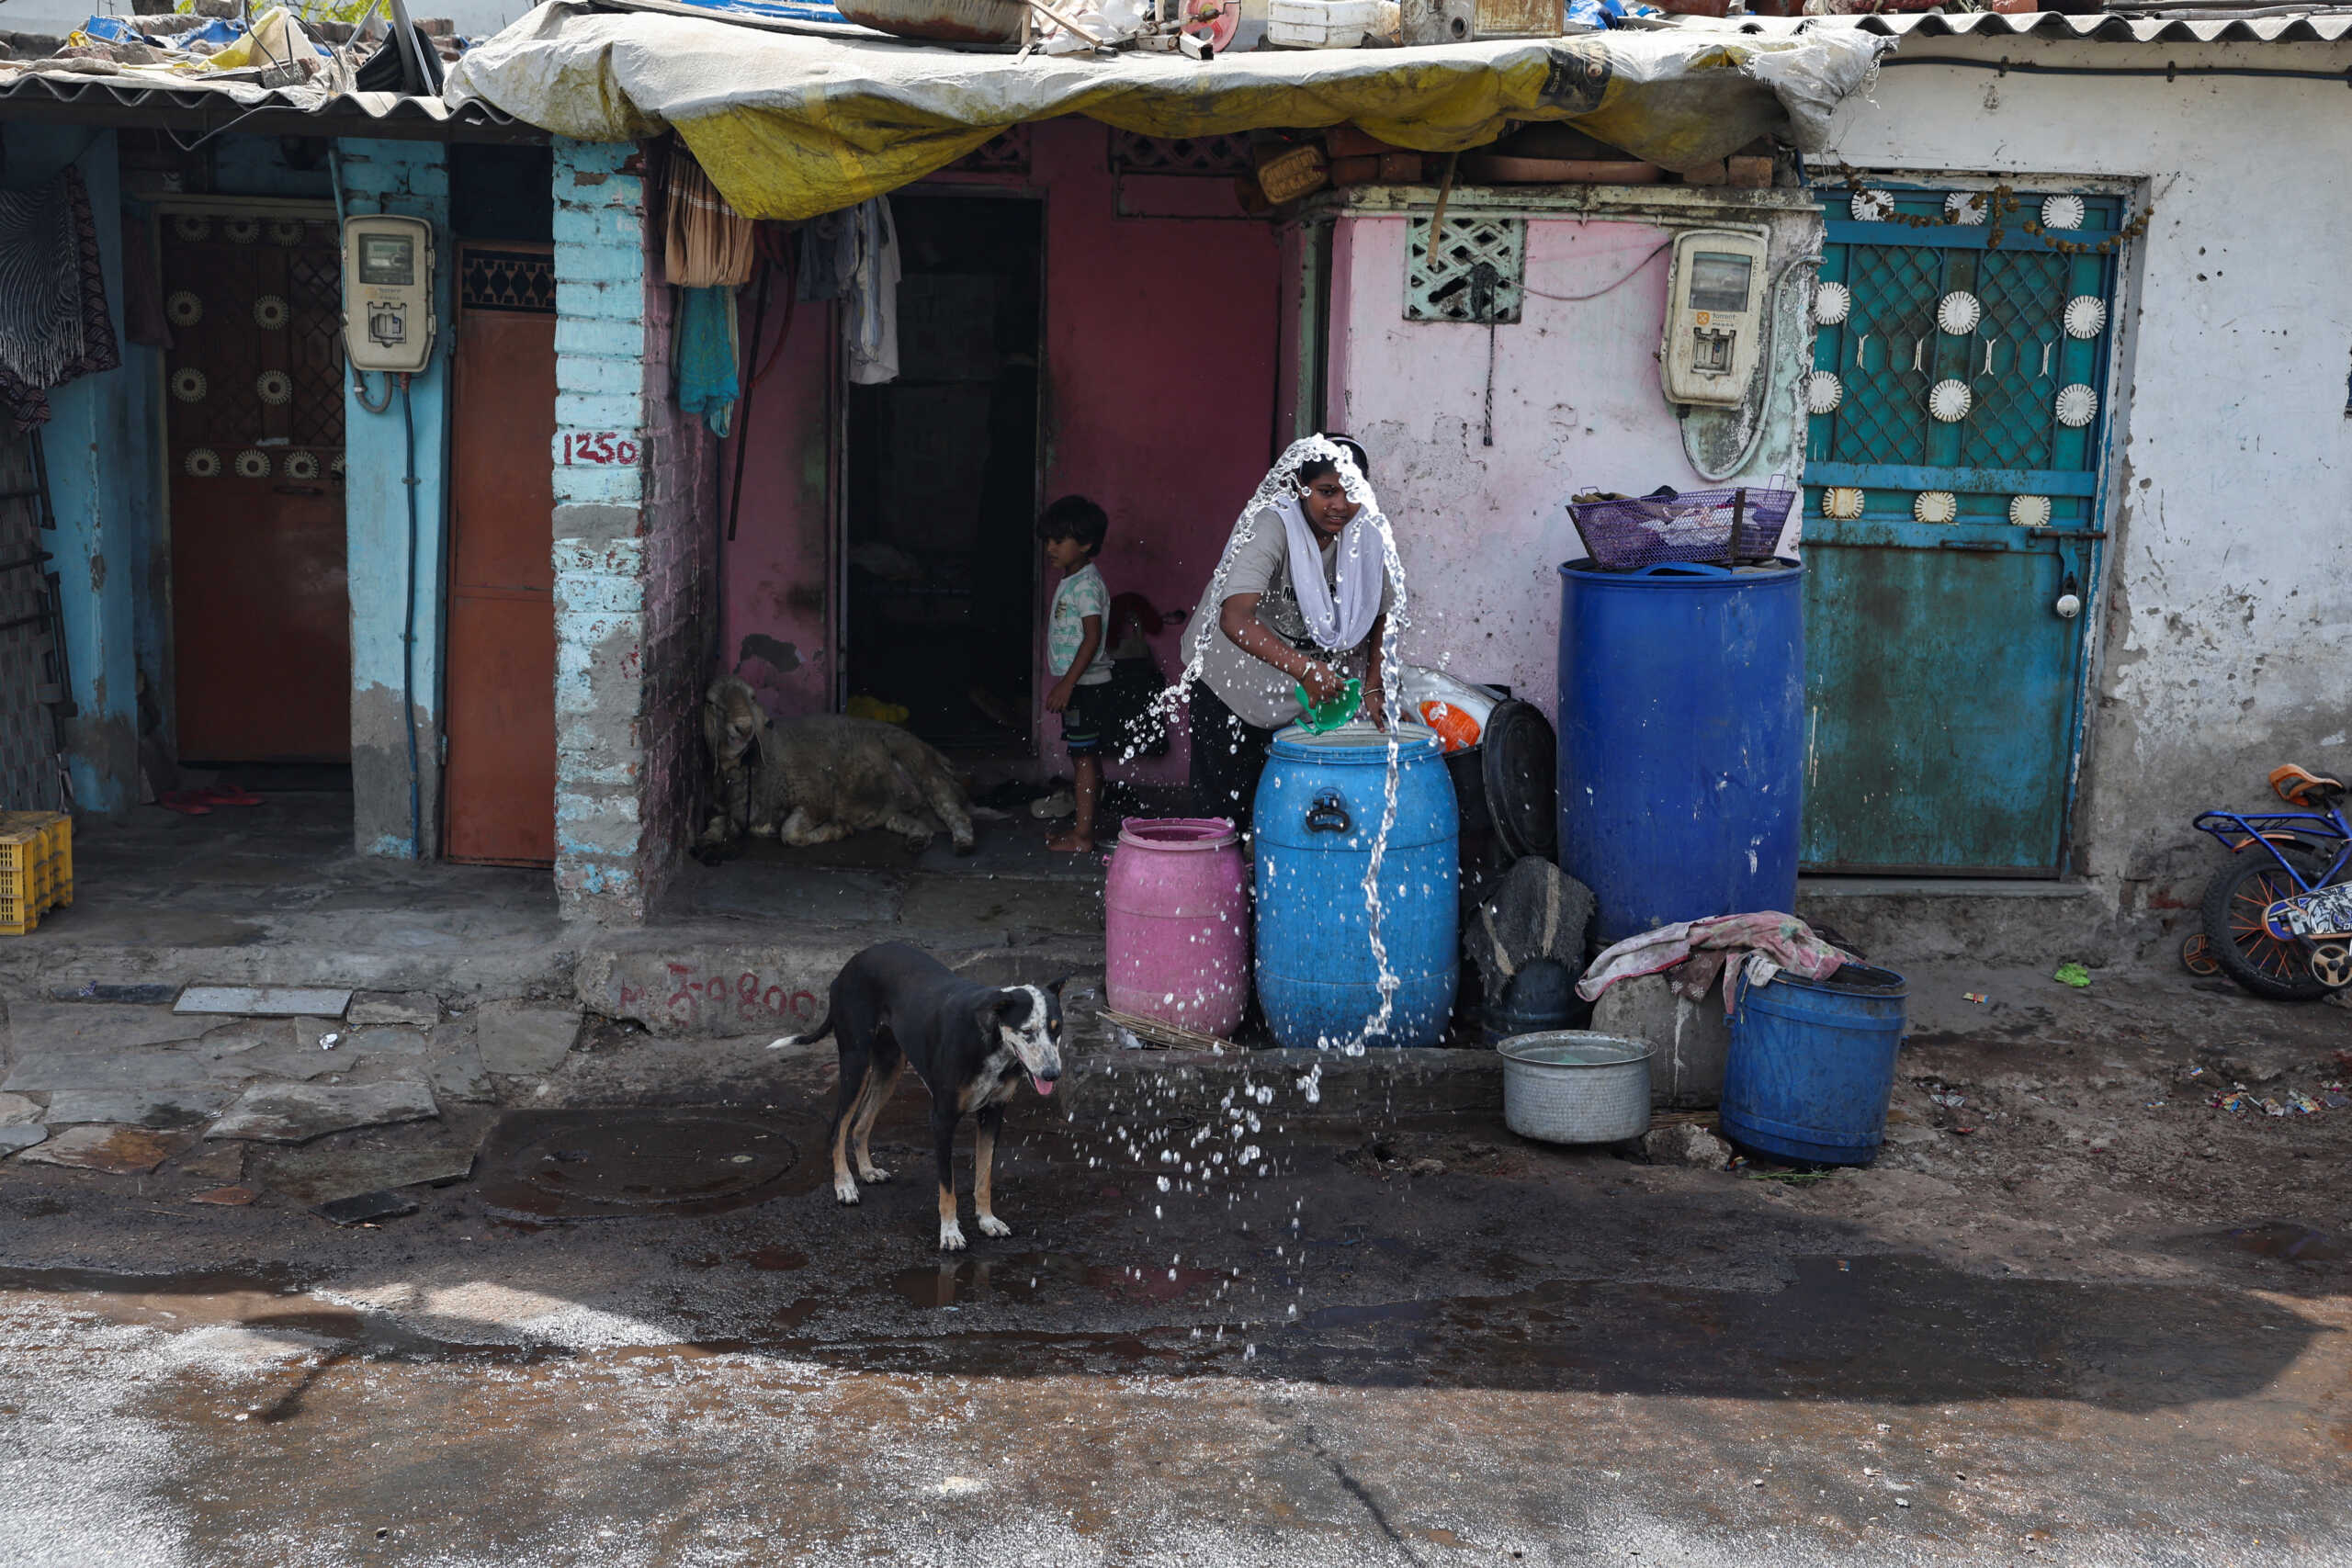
point(778, 567)
point(1577, 406)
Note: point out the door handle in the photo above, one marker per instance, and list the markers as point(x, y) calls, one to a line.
point(2070, 598)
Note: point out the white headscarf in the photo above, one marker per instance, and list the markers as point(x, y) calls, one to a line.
point(1341, 625)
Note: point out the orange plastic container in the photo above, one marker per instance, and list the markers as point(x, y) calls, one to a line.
point(1456, 728)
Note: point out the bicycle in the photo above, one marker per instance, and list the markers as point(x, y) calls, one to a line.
point(2281, 927)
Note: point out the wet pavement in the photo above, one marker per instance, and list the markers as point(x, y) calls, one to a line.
point(1189, 1353)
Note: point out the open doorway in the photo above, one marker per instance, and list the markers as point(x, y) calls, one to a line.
point(942, 468)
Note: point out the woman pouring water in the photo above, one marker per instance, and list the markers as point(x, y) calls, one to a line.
point(1299, 601)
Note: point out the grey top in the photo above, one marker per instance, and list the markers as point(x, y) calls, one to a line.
point(1257, 692)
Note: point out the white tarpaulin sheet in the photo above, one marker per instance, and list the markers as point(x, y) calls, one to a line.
point(792, 125)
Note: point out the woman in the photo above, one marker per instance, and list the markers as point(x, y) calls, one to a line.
point(1300, 599)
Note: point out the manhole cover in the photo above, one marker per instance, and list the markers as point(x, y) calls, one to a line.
point(674, 1163)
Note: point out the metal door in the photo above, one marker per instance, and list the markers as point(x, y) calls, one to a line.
point(261, 614)
point(1954, 482)
point(499, 785)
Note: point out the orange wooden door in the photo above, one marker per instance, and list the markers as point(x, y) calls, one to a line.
point(499, 785)
point(261, 613)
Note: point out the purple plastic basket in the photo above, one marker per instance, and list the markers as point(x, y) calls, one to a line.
point(1696, 525)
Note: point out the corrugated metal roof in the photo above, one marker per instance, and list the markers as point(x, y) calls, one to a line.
point(92, 97)
point(2217, 25)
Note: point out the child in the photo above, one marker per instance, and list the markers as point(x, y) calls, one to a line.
point(1072, 530)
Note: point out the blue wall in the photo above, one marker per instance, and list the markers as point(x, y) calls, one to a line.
point(411, 178)
point(106, 486)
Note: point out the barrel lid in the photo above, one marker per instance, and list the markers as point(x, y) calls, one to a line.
point(1521, 761)
point(1178, 833)
point(1352, 743)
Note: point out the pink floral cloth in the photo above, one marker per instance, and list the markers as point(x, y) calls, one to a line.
point(1696, 952)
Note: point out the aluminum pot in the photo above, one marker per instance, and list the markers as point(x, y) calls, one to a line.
point(1571, 1086)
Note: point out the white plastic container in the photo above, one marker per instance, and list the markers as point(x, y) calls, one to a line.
point(1331, 24)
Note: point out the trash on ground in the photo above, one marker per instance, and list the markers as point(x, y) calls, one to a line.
point(2073, 974)
point(1979, 997)
point(265, 1002)
point(1698, 951)
point(329, 1042)
point(367, 1207)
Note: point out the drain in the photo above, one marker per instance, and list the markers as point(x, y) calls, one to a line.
point(646, 1163)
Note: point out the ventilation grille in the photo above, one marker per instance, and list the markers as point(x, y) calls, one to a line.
point(508, 280)
point(1222, 156)
point(1476, 275)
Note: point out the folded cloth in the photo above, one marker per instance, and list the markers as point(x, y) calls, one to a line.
point(706, 243)
point(53, 322)
point(1699, 951)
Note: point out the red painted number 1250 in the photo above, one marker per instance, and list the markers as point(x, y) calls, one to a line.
point(602, 447)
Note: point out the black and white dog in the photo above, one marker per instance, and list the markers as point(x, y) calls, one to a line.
point(970, 1045)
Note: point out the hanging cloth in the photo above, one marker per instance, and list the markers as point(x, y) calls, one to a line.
point(706, 244)
point(1340, 626)
point(708, 383)
point(874, 295)
point(53, 322)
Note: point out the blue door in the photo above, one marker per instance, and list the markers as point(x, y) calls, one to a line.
point(1956, 433)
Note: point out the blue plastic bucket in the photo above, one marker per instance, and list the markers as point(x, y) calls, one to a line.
point(1812, 1066)
point(1681, 779)
point(1318, 815)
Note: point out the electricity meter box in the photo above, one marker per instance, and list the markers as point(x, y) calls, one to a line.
point(1714, 317)
point(387, 321)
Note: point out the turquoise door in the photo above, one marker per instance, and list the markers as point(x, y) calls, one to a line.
point(1957, 419)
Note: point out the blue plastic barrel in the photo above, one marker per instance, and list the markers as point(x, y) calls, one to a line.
point(1812, 1066)
point(1681, 740)
point(1317, 814)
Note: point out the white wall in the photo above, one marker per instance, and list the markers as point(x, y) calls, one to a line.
point(2227, 635)
point(1577, 406)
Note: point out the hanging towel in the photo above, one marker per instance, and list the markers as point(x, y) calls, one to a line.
point(707, 244)
point(874, 295)
point(53, 322)
point(707, 356)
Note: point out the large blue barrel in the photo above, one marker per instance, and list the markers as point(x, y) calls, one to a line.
point(1317, 814)
point(1681, 740)
point(1811, 1065)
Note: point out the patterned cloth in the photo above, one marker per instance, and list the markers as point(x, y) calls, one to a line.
point(53, 322)
point(1697, 950)
point(1082, 594)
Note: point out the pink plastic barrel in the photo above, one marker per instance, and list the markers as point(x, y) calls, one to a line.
point(1177, 924)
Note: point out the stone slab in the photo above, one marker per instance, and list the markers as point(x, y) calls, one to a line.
point(16, 1111)
point(47, 1071)
point(95, 1026)
point(460, 1076)
point(138, 1107)
point(295, 1113)
point(1689, 1041)
point(417, 1009)
point(265, 1002)
point(214, 1162)
point(118, 1151)
point(519, 1040)
point(323, 1175)
point(21, 1135)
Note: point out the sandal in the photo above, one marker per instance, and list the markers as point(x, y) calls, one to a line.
point(186, 802)
point(228, 794)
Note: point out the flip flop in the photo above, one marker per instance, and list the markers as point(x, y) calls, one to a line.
point(185, 802)
point(228, 794)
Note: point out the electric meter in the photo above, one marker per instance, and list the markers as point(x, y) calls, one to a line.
point(387, 321)
point(1715, 316)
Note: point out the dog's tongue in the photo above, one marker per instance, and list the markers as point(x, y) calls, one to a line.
point(1042, 1087)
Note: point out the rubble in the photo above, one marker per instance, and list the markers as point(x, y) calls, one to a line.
point(1686, 1143)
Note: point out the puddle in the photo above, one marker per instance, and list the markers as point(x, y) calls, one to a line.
point(2288, 1242)
point(616, 1164)
point(776, 1260)
point(1046, 1276)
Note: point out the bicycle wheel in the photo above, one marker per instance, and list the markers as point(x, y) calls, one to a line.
point(2233, 910)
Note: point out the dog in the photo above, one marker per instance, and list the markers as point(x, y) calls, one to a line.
point(971, 1045)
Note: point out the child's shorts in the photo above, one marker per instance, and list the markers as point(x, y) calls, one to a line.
point(1085, 719)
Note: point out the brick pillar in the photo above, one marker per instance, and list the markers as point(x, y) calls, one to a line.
point(635, 495)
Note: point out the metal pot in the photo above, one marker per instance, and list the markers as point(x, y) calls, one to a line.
point(1571, 1086)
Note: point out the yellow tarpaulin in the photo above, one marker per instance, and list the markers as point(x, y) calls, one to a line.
point(791, 125)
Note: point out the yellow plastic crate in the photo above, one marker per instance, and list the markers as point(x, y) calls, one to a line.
point(36, 867)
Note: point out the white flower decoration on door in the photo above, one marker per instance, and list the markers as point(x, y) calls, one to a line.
point(2062, 213)
point(302, 466)
point(203, 463)
point(1957, 313)
point(285, 231)
point(253, 463)
point(2030, 510)
point(1969, 208)
point(2077, 406)
point(1822, 392)
point(188, 384)
point(189, 226)
point(1935, 506)
point(1871, 206)
point(273, 386)
point(1843, 502)
point(269, 313)
point(241, 230)
point(1949, 401)
point(2086, 317)
point(1832, 303)
point(184, 309)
